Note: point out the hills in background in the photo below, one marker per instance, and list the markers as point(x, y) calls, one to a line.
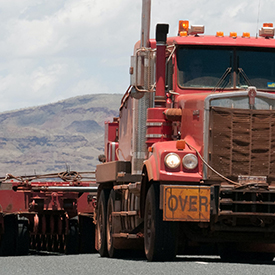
point(57, 136)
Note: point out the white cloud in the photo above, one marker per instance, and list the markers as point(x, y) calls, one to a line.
point(44, 78)
point(51, 50)
point(86, 86)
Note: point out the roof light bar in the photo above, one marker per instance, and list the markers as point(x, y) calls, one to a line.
point(184, 29)
point(267, 30)
point(196, 29)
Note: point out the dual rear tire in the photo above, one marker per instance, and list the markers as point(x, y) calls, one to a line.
point(160, 237)
point(16, 238)
point(101, 223)
point(105, 225)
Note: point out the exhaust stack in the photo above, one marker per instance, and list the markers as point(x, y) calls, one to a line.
point(161, 39)
point(141, 105)
point(145, 23)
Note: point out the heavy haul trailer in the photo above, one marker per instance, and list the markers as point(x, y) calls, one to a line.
point(191, 159)
point(51, 212)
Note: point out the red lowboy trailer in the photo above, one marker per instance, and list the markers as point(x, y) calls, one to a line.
point(190, 161)
point(51, 212)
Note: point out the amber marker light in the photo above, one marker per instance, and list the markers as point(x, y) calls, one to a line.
point(268, 25)
point(246, 35)
point(150, 149)
point(183, 27)
point(183, 33)
point(233, 34)
point(219, 34)
point(180, 144)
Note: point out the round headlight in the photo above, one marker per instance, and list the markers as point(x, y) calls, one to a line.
point(172, 160)
point(190, 161)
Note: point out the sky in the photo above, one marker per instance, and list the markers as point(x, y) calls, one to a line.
point(52, 50)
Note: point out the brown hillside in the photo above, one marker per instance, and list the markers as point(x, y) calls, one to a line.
point(49, 138)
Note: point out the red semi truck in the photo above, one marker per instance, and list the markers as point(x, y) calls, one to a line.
point(190, 161)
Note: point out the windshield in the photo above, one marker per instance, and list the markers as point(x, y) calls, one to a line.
point(225, 67)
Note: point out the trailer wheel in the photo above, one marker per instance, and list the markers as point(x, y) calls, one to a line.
point(8, 239)
point(23, 238)
point(48, 241)
point(160, 237)
point(55, 244)
point(87, 235)
point(101, 223)
point(44, 243)
point(72, 240)
point(38, 240)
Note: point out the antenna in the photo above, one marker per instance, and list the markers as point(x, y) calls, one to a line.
point(259, 7)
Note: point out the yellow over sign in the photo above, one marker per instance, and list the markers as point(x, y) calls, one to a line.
point(186, 203)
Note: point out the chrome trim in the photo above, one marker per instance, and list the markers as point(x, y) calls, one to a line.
point(156, 136)
point(154, 123)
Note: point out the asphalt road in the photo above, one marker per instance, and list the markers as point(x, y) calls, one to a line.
point(93, 264)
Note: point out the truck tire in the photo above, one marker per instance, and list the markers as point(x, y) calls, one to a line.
point(23, 238)
point(160, 237)
point(72, 242)
point(112, 252)
point(87, 235)
point(101, 223)
point(8, 239)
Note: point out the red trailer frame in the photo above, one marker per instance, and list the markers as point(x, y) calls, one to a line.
point(51, 212)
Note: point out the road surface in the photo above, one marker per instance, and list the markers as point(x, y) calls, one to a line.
point(92, 264)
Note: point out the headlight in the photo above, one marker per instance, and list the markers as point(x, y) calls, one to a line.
point(190, 161)
point(172, 160)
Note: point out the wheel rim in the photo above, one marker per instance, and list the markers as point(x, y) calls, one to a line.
point(109, 228)
point(148, 228)
point(100, 225)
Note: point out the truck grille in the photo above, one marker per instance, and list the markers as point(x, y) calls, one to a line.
point(237, 201)
point(241, 142)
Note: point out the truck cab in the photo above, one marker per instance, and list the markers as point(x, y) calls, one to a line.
point(194, 154)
